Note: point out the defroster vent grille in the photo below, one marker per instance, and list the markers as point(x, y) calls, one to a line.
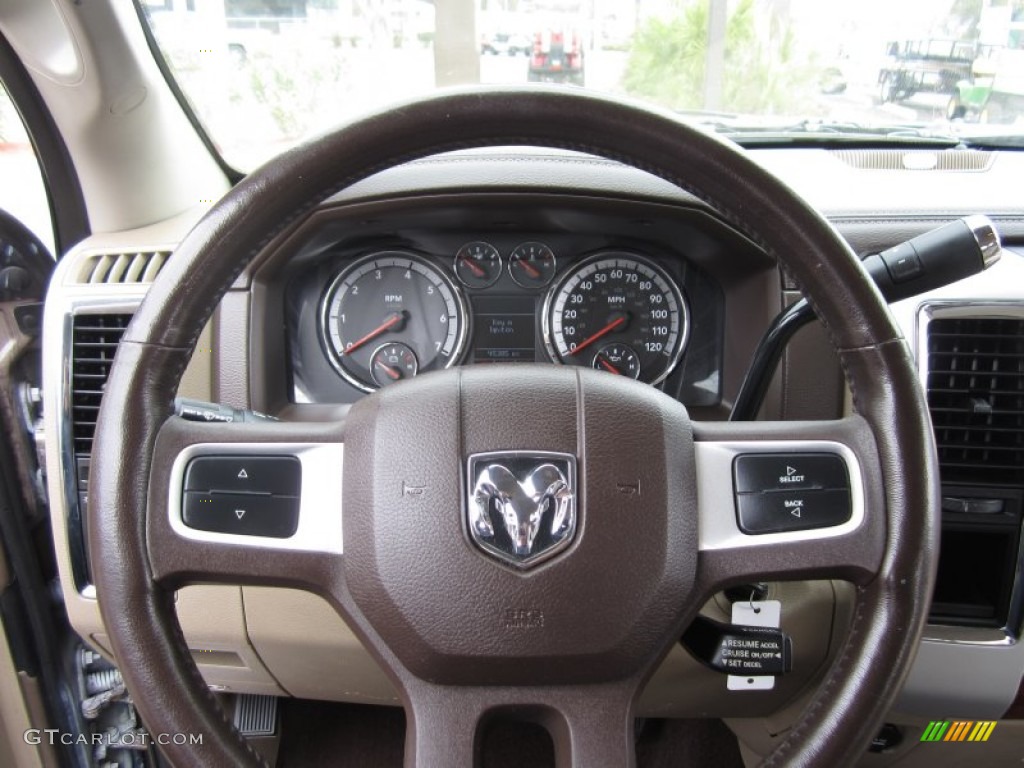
point(94, 342)
point(976, 398)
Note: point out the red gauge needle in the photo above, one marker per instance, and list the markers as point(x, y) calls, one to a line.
point(608, 366)
point(391, 372)
point(393, 319)
point(530, 269)
point(603, 332)
point(475, 268)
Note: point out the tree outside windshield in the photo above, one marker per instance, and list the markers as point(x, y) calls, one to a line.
point(264, 74)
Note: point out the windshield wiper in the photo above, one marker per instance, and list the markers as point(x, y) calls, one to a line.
point(810, 131)
point(996, 141)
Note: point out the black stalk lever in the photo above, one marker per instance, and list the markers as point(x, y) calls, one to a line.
point(738, 650)
point(939, 257)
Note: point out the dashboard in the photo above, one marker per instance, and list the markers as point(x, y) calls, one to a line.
point(481, 258)
point(630, 290)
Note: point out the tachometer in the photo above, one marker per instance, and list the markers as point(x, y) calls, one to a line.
point(391, 303)
point(622, 306)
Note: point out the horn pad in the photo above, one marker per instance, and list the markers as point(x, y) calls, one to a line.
point(436, 466)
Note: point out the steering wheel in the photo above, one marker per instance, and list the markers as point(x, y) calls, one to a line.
point(383, 532)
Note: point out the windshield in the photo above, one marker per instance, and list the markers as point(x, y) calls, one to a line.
point(264, 74)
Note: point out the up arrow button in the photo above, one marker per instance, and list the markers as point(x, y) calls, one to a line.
point(276, 475)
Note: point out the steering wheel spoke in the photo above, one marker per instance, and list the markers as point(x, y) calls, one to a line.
point(252, 503)
point(788, 500)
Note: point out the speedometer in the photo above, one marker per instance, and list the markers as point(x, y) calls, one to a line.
point(620, 313)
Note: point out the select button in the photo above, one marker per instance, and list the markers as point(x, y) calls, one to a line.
point(242, 514)
point(756, 473)
point(780, 511)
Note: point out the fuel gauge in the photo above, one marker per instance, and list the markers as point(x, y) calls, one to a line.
point(532, 265)
point(393, 362)
point(478, 264)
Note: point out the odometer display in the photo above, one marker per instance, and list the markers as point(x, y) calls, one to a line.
point(618, 299)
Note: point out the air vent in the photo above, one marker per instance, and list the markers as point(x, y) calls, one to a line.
point(124, 268)
point(962, 160)
point(94, 342)
point(976, 397)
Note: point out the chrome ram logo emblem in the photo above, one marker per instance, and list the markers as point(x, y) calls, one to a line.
point(522, 505)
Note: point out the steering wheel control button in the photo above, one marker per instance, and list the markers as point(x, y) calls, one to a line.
point(272, 475)
point(757, 473)
point(777, 492)
point(242, 514)
point(779, 511)
point(903, 263)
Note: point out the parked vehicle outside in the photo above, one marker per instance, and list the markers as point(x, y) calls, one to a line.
point(917, 66)
point(557, 56)
point(505, 43)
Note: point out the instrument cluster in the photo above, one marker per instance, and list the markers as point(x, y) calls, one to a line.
point(393, 314)
point(400, 307)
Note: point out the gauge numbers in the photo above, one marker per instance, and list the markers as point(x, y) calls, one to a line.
point(617, 305)
point(389, 316)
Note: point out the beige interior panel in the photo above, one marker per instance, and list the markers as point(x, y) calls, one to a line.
point(758, 735)
point(213, 620)
point(197, 381)
point(6, 755)
point(69, 290)
point(312, 652)
point(84, 612)
point(14, 715)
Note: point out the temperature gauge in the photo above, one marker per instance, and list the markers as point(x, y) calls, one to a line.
point(393, 362)
point(619, 359)
point(478, 264)
point(532, 265)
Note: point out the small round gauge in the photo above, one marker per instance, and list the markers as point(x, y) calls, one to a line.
point(386, 302)
point(392, 362)
point(617, 301)
point(478, 264)
point(619, 359)
point(532, 265)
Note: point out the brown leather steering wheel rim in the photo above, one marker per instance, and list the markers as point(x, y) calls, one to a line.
point(891, 610)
